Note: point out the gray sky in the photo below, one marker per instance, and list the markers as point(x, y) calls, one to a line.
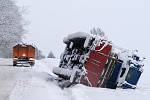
point(126, 22)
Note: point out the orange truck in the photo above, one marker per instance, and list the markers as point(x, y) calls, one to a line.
point(23, 54)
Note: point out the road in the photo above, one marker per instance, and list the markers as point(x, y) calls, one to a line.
point(26, 83)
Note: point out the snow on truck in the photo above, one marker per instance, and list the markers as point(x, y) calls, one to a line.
point(23, 54)
point(92, 60)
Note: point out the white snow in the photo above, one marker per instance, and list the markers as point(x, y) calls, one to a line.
point(36, 83)
point(81, 92)
point(76, 35)
point(86, 43)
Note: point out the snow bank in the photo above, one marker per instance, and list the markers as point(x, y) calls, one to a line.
point(49, 64)
point(80, 92)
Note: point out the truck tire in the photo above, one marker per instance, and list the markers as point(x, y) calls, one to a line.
point(14, 63)
point(32, 63)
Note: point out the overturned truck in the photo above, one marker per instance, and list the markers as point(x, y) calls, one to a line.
point(94, 61)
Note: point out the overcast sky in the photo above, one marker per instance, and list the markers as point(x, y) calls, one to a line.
point(126, 22)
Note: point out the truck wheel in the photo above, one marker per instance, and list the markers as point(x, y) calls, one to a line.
point(32, 63)
point(14, 63)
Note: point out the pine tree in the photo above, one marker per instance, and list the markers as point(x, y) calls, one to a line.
point(51, 55)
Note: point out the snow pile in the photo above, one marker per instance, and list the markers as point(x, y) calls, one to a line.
point(76, 35)
point(49, 64)
point(61, 71)
point(80, 92)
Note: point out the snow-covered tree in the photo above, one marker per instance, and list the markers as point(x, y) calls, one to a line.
point(97, 31)
point(50, 55)
point(39, 54)
point(11, 26)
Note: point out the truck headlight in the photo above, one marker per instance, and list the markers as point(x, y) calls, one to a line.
point(15, 58)
point(31, 59)
point(24, 55)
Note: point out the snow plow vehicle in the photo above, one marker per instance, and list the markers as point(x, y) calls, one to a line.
point(23, 54)
point(94, 61)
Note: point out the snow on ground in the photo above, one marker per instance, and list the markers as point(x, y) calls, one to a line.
point(36, 86)
point(36, 83)
point(81, 92)
point(26, 83)
point(50, 63)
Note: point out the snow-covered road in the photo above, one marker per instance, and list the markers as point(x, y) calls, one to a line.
point(7, 78)
point(26, 83)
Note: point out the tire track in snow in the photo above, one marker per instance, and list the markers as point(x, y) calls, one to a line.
point(7, 78)
point(36, 84)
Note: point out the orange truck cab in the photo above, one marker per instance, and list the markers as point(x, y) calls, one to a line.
point(23, 53)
